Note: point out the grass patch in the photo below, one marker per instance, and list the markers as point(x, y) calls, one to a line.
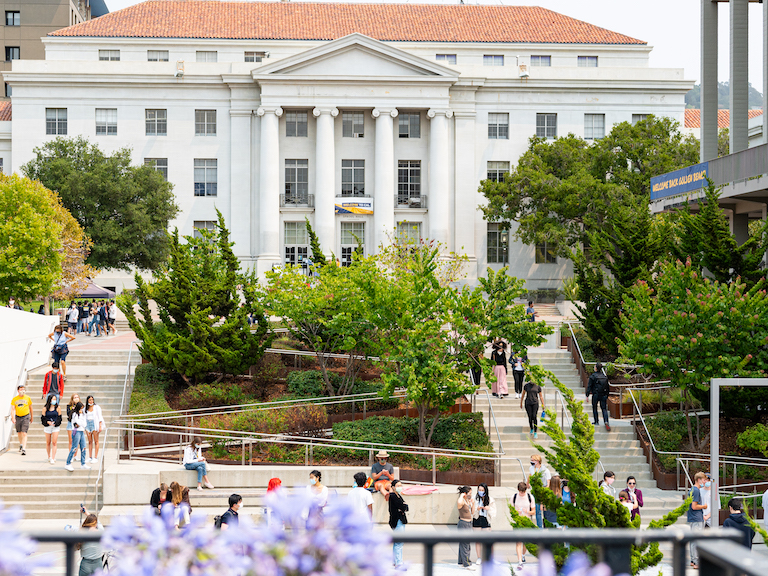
point(149, 387)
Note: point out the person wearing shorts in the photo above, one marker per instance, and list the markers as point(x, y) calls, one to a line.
point(60, 348)
point(51, 420)
point(21, 415)
point(73, 315)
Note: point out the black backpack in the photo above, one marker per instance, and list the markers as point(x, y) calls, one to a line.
point(217, 522)
point(530, 504)
point(602, 385)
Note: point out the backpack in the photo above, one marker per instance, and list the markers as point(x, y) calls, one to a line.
point(530, 503)
point(602, 385)
point(217, 522)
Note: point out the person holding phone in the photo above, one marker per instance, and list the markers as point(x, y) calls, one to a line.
point(78, 437)
point(464, 504)
point(90, 552)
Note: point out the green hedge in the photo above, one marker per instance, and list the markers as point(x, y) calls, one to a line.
point(668, 429)
point(310, 384)
point(210, 395)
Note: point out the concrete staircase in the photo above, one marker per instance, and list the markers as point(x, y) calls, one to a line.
point(47, 491)
point(619, 449)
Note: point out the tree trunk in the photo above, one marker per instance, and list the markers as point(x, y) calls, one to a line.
point(432, 428)
point(46, 306)
point(422, 425)
point(321, 359)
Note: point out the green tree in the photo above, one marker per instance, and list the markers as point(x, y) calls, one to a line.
point(124, 209)
point(690, 329)
point(318, 258)
point(31, 245)
point(575, 458)
point(203, 325)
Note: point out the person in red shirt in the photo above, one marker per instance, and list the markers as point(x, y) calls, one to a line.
point(53, 383)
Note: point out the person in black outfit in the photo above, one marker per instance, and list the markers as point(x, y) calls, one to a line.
point(532, 393)
point(739, 521)
point(230, 518)
point(159, 496)
point(397, 519)
point(599, 387)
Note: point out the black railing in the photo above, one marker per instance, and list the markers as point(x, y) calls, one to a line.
point(718, 554)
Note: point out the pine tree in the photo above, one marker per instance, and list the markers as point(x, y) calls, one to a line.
point(203, 325)
point(318, 258)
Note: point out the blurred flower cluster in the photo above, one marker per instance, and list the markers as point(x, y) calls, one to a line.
point(16, 558)
point(578, 564)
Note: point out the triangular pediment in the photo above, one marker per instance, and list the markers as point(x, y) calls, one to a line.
point(355, 55)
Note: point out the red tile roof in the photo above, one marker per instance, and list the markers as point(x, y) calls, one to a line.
point(5, 111)
point(328, 21)
point(693, 117)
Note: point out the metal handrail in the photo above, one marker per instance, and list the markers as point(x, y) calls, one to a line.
point(493, 418)
point(325, 354)
point(20, 381)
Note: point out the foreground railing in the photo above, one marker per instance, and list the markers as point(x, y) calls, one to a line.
point(719, 555)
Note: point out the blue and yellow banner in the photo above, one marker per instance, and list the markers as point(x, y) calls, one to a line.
point(679, 181)
point(354, 206)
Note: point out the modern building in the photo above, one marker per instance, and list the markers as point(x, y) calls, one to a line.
point(27, 21)
point(367, 119)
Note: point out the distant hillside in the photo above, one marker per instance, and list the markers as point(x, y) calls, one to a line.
point(693, 98)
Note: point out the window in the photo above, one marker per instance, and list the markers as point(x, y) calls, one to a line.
point(541, 60)
point(8, 90)
point(205, 176)
point(546, 125)
point(156, 122)
point(447, 58)
point(296, 181)
point(109, 55)
point(493, 60)
point(498, 126)
point(587, 61)
point(638, 117)
point(410, 231)
point(594, 126)
point(12, 18)
point(351, 233)
point(205, 122)
point(207, 56)
point(296, 123)
point(157, 55)
point(106, 121)
point(296, 242)
point(352, 124)
point(254, 56)
point(496, 171)
point(12, 53)
point(353, 177)
point(544, 254)
point(498, 244)
point(410, 125)
point(408, 181)
point(159, 164)
point(200, 225)
point(56, 121)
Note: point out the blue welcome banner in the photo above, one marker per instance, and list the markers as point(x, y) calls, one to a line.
point(679, 181)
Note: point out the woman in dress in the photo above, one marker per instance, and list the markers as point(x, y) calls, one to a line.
point(317, 490)
point(193, 460)
point(464, 504)
point(397, 519)
point(499, 357)
point(94, 425)
point(483, 511)
point(51, 420)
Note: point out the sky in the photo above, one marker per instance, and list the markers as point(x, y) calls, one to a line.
point(672, 27)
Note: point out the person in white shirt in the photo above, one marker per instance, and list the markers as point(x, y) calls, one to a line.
point(525, 505)
point(78, 437)
point(706, 498)
point(359, 497)
point(546, 476)
point(94, 425)
point(607, 484)
point(193, 460)
point(316, 489)
point(628, 500)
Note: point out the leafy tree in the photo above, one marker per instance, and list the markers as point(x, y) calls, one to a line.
point(75, 246)
point(203, 325)
point(690, 329)
point(575, 458)
point(124, 209)
point(38, 236)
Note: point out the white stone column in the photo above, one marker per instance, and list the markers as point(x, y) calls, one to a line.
point(465, 185)
point(439, 164)
point(240, 182)
point(269, 190)
point(325, 178)
point(384, 176)
point(739, 83)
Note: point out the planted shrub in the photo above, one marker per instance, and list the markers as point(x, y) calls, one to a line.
point(149, 387)
point(209, 395)
point(308, 383)
point(754, 438)
point(667, 430)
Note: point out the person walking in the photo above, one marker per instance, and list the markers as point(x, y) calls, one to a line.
point(193, 460)
point(696, 514)
point(634, 491)
point(483, 511)
point(518, 373)
point(78, 438)
point(397, 519)
point(52, 383)
point(359, 497)
point(111, 317)
point(606, 484)
point(60, 348)
point(51, 420)
point(94, 426)
point(73, 315)
point(530, 313)
point(739, 521)
point(230, 518)
point(21, 416)
point(91, 316)
point(318, 492)
point(464, 504)
point(90, 552)
point(82, 317)
point(525, 505)
point(599, 387)
point(546, 476)
point(103, 316)
point(499, 357)
point(532, 394)
point(706, 498)
point(74, 399)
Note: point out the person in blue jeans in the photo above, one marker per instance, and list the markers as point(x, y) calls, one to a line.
point(397, 519)
point(78, 437)
point(193, 460)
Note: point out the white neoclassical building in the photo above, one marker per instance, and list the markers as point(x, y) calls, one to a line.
point(363, 118)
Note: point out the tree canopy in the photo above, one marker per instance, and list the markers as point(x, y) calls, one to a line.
point(124, 209)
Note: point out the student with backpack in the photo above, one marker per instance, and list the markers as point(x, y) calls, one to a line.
point(525, 504)
point(230, 518)
point(599, 387)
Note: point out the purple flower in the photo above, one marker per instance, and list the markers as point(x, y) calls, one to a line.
point(577, 564)
point(16, 558)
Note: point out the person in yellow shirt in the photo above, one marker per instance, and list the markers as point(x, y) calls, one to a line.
point(21, 416)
